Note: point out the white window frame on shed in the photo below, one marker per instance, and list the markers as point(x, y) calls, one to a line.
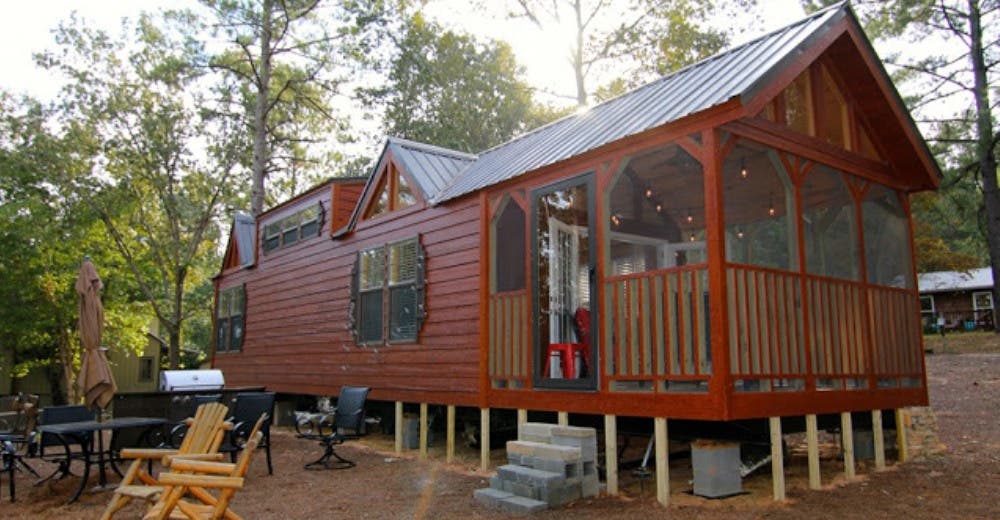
point(975, 302)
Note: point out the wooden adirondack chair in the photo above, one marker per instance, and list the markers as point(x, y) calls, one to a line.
point(196, 477)
point(206, 431)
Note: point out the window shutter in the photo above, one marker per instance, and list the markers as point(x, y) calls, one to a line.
point(352, 308)
point(239, 327)
point(419, 285)
point(320, 219)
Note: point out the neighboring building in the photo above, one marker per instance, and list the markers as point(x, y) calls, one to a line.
point(732, 241)
point(963, 299)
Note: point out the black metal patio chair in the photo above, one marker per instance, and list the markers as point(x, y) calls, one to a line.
point(20, 412)
point(60, 415)
point(246, 409)
point(348, 424)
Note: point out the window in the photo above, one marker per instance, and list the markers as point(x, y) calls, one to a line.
point(981, 300)
point(394, 193)
point(887, 238)
point(388, 288)
point(146, 368)
point(657, 213)
point(230, 319)
point(759, 208)
point(298, 226)
point(508, 248)
point(927, 304)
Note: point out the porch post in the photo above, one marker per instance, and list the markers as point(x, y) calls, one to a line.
point(450, 443)
point(879, 436)
point(399, 427)
point(423, 430)
point(611, 453)
point(720, 386)
point(812, 442)
point(904, 449)
point(484, 439)
point(522, 416)
point(662, 461)
point(777, 460)
point(847, 440)
point(563, 418)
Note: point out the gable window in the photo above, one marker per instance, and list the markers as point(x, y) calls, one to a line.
point(394, 192)
point(296, 227)
point(230, 315)
point(387, 301)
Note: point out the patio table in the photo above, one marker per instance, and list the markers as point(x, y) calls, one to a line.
point(76, 433)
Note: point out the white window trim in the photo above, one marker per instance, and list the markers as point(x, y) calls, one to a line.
point(976, 307)
point(932, 309)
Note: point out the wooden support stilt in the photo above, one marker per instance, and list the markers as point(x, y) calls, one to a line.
point(423, 430)
point(563, 418)
point(611, 453)
point(450, 442)
point(484, 439)
point(399, 427)
point(901, 443)
point(777, 460)
point(812, 441)
point(522, 416)
point(847, 440)
point(879, 436)
point(662, 461)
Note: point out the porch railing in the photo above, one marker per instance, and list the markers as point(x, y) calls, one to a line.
point(656, 334)
point(509, 336)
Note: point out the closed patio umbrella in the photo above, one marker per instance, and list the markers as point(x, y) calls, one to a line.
point(95, 378)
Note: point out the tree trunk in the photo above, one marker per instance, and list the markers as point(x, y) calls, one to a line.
point(577, 58)
point(174, 327)
point(259, 166)
point(66, 360)
point(984, 149)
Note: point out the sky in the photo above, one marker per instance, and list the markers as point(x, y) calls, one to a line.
point(30, 24)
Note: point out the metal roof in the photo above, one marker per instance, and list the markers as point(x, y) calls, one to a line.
point(433, 168)
point(711, 82)
point(245, 230)
point(942, 281)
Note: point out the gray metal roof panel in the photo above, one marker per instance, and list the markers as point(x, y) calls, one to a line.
point(431, 167)
point(692, 89)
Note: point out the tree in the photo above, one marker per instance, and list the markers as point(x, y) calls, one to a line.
point(653, 37)
point(46, 232)
point(134, 106)
point(963, 37)
point(285, 63)
point(449, 89)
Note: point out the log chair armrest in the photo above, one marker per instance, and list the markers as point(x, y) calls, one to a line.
point(146, 453)
point(201, 466)
point(203, 481)
point(169, 459)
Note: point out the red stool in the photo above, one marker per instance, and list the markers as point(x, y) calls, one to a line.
point(566, 362)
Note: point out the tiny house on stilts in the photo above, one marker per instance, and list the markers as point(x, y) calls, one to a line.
point(730, 242)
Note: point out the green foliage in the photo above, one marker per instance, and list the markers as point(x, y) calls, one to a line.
point(451, 90)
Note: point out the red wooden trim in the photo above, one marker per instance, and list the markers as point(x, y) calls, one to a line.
point(908, 209)
point(645, 274)
point(599, 323)
point(484, 288)
point(720, 382)
point(783, 138)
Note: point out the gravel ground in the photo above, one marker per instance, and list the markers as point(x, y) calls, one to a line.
point(961, 482)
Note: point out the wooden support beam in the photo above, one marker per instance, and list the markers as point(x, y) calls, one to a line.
point(423, 430)
point(812, 441)
point(450, 443)
point(847, 440)
point(879, 436)
point(522, 416)
point(611, 453)
point(662, 461)
point(777, 460)
point(484, 439)
point(902, 417)
point(399, 427)
point(563, 418)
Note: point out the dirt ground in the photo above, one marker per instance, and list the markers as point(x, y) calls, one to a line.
point(961, 482)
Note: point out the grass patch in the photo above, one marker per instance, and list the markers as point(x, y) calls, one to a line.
point(976, 342)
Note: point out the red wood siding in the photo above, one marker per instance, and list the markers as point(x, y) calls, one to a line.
point(297, 313)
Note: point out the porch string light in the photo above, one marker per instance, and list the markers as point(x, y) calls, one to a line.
point(770, 206)
point(743, 168)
